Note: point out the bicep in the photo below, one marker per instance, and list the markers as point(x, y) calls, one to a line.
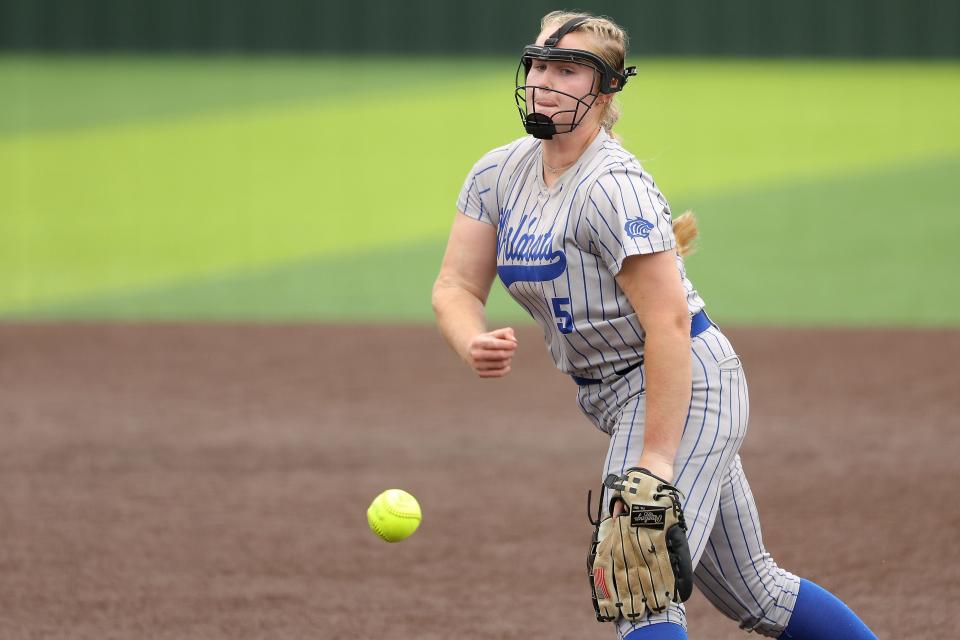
point(652, 284)
point(470, 261)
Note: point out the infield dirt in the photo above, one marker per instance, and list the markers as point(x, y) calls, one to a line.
point(211, 481)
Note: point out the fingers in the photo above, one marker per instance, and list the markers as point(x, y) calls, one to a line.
point(496, 339)
point(498, 373)
point(499, 350)
point(492, 356)
point(505, 333)
point(492, 369)
point(491, 353)
point(487, 366)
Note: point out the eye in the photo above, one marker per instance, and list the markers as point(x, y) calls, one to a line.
point(566, 71)
point(540, 66)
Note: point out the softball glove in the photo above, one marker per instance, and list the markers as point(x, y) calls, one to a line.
point(639, 560)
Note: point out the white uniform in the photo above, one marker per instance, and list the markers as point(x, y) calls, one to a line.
point(558, 250)
point(558, 247)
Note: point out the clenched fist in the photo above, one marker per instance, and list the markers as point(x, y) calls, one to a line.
point(490, 354)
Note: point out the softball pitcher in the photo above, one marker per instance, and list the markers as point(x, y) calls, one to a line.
point(582, 238)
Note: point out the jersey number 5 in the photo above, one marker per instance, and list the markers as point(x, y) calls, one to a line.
point(565, 320)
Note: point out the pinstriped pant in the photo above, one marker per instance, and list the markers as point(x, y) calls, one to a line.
point(732, 568)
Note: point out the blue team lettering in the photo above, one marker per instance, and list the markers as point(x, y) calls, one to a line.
point(520, 244)
point(526, 246)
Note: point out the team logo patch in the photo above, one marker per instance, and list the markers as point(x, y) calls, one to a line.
point(638, 228)
point(600, 584)
point(648, 517)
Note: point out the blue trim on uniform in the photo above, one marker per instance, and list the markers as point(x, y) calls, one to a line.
point(659, 631)
point(820, 615)
point(699, 323)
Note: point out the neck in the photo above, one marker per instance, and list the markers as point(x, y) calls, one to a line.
point(565, 149)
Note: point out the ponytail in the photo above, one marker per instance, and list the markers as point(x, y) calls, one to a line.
point(685, 230)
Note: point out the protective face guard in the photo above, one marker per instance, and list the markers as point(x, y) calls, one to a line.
point(542, 126)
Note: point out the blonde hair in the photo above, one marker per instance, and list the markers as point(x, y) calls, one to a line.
point(686, 232)
point(609, 42)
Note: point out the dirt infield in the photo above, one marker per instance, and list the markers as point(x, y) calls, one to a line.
point(172, 482)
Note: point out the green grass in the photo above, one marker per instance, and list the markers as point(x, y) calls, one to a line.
point(320, 188)
point(44, 93)
point(866, 281)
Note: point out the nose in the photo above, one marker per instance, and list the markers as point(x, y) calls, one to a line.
point(540, 77)
point(546, 80)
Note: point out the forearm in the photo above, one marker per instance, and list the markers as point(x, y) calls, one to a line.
point(668, 382)
point(460, 315)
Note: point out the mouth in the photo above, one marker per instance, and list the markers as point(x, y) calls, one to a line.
point(546, 105)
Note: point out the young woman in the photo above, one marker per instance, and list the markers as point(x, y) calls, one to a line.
point(582, 238)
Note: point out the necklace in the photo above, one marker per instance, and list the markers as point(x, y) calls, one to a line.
point(556, 170)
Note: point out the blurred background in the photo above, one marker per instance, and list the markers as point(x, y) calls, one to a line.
point(300, 159)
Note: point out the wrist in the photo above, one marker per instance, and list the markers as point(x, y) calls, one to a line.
point(465, 344)
point(657, 463)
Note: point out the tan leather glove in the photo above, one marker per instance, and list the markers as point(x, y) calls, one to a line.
point(639, 560)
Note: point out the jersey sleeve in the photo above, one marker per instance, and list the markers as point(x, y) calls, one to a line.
point(476, 197)
point(625, 214)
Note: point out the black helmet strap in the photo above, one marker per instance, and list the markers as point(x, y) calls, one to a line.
point(564, 29)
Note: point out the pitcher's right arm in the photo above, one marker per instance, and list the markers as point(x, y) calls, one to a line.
point(460, 296)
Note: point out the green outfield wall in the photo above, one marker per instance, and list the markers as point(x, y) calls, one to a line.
point(830, 28)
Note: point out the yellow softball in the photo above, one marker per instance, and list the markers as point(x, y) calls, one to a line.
point(394, 515)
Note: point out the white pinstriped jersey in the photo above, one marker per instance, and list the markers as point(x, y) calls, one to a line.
point(559, 248)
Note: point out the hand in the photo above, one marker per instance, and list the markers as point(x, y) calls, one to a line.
point(659, 465)
point(490, 354)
